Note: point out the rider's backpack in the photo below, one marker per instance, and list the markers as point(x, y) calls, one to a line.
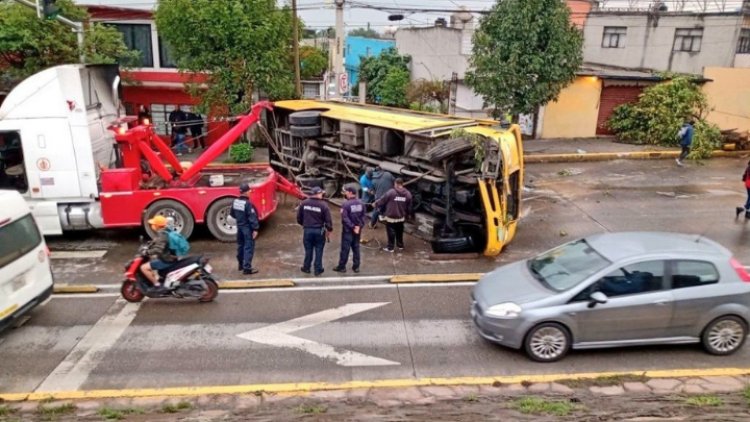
point(177, 243)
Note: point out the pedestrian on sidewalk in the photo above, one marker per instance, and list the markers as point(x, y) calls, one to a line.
point(746, 179)
point(352, 222)
point(177, 119)
point(397, 204)
point(685, 135)
point(314, 216)
point(244, 212)
point(382, 182)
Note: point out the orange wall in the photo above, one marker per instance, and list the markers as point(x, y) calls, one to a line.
point(579, 10)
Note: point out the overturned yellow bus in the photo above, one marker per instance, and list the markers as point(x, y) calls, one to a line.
point(466, 175)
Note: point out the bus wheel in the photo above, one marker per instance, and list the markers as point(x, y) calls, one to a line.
point(219, 223)
point(183, 219)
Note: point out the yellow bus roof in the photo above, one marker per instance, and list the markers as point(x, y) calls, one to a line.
point(392, 118)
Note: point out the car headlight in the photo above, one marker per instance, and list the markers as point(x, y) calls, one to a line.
point(504, 310)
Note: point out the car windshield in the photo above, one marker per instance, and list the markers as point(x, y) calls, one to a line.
point(566, 266)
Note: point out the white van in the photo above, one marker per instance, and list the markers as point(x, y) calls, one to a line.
point(25, 273)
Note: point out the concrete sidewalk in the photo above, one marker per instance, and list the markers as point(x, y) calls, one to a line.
point(601, 149)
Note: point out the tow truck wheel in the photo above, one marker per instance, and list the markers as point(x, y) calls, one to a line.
point(219, 223)
point(183, 219)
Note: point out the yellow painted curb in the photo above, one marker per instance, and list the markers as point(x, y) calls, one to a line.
point(435, 278)
point(78, 288)
point(307, 387)
point(246, 284)
point(632, 155)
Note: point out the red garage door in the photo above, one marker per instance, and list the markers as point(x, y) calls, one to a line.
point(613, 96)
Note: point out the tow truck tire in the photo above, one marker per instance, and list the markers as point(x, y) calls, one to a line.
point(184, 221)
point(305, 118)
point(305, 131)
point(217, 220)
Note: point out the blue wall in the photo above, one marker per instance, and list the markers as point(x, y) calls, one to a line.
point(360, 46)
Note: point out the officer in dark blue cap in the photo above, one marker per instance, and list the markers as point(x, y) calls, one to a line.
point(314, 216)
point(247, 229)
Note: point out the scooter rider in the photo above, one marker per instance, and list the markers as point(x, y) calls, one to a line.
point(247, 229)
point(160, 256)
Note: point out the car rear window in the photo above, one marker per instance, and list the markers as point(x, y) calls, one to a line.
point(24, 237)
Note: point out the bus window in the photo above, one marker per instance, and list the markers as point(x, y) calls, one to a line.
point(12, 170)
point(513, 196)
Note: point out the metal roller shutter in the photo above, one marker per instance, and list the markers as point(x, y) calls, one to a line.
point(613, 96)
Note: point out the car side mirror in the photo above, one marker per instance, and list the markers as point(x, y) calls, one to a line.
point(597, 298)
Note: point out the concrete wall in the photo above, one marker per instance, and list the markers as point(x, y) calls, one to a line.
point(649, 41)
point(574, 113)
point(728, 95)
point(435, 52)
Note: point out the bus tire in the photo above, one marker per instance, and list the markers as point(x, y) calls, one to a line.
point(305, 118)
point(184, 221)
point(305, 131)
point(218, 222)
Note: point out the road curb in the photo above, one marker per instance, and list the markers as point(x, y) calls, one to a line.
point(435, 278)
point(259, 284)
point(629, 155)
point(77, 288)
point(303, 388)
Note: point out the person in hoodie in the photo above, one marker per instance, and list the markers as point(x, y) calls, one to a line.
point(397, 204)
point(382, 182)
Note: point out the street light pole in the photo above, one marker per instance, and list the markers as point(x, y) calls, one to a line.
point(295, 51)
point(338, 58)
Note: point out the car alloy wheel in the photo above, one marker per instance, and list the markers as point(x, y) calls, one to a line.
point(547, 343)
point(724, 336)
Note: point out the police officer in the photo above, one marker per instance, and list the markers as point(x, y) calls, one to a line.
point(247, 229)
point(314, 216)
point(352, 222)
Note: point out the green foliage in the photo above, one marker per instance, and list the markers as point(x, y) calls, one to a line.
point(525, 52)
point(241, 153)
point(47, 412)
point(29, 44)
point(660, 112)
point(428, 95)
point(240, 45)
point(539, 406)
point(109, 413)
point(704, 400)
point(479, 143)
point(312, 409)
point(6, 411)
point(175, 408)
point(313, 62)
point(385, 75)
point(364, 33)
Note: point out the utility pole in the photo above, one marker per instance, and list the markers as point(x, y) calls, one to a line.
point(76, 26)
point(295, 51)
point(338, 54)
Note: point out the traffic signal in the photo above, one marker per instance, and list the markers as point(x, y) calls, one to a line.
point(49, 9)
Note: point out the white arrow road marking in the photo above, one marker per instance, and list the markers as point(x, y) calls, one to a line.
point(278, 335)
point(72, 372)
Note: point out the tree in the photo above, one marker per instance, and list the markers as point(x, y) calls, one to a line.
point(375, 71)
point(525, 52)
point(392, 91)
point(240, 45)
point(660, 111)
point(423, 94)
point(364, 33)
point(29, 44)
point(313, 62)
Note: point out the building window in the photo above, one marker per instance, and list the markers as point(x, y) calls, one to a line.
point(688, 39)
point(165, 56)
point(137, 37)
point(743, 46)
point(310, 90)
point(614, 37)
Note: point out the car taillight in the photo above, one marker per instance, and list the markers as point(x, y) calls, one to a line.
point(740, 269)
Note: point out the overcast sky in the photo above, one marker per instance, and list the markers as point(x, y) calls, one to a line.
point(319, 14)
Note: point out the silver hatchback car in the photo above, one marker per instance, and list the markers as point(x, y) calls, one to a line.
point(617, 289)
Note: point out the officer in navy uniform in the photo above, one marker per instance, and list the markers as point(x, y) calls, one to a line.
point(247, 229)
point(352, 222)
point(314, 216)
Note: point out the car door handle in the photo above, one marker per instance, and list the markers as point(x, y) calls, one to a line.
point(661, 302)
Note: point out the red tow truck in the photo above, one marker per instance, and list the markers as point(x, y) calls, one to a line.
point(81, 166)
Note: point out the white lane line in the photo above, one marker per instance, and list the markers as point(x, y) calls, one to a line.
point(77, 254)
point(72, 372)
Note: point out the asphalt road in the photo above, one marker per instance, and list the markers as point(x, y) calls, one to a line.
point(562, 201)
point(331, 334)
